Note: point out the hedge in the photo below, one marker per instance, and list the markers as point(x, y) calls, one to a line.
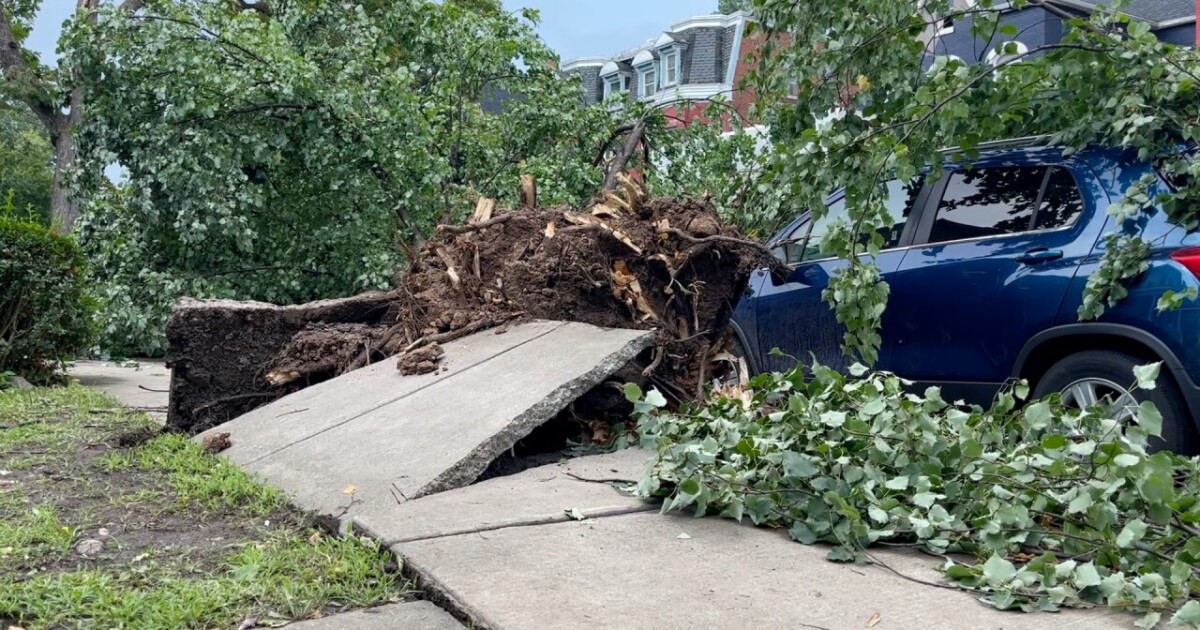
point(46, 311)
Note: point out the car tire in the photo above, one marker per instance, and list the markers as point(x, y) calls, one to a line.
point(1117, 367)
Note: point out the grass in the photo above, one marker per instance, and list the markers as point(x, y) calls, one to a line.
point(189, 540)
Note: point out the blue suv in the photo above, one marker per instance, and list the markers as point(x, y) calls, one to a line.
point(987, 266)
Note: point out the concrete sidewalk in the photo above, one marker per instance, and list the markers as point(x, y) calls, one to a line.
point(143, 384)
point(560, 546)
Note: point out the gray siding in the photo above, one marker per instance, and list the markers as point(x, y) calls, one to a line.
point(593, 88)
point(704, 56)
point(727, 37)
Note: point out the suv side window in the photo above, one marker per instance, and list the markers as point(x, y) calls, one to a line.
point(804, 243)
point(987, 202)
point(1061, 202)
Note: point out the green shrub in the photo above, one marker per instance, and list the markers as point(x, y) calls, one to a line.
point(45, 309)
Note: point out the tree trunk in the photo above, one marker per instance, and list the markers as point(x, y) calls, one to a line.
point(63, 211)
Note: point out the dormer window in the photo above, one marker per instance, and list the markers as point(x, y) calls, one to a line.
point(616, 79)
point(648, 79)
point(670, 67)
point(668, 60)
point(647, 74)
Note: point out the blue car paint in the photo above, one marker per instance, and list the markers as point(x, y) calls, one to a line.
point(970, 312)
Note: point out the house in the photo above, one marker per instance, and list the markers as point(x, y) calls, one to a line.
point(1172, 21)
point(682, 69)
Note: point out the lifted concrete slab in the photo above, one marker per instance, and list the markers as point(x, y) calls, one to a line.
point(407, 616)
point(534, 497)
point(314, 410)
point(637, 571)
point(396, 438)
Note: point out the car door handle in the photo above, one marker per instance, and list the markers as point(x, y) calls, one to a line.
point(1039, 255)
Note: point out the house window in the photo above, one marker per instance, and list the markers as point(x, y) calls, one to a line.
point(612, 85)
point(670, 67)
point(649, 82)
point(947, 26)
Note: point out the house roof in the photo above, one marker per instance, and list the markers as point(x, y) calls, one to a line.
point(1159, 13)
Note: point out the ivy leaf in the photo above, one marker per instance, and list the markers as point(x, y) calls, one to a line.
point(998, 571)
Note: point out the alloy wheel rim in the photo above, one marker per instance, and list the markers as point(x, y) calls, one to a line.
point(1086, 393)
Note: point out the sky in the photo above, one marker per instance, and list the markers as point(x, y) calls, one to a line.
point(574, 28)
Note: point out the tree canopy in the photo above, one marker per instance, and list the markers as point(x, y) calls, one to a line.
point(25, 163)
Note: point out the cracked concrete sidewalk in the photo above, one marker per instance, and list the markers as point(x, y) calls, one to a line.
point(511, 552)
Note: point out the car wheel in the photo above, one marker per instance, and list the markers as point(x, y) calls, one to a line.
point(1105, 376)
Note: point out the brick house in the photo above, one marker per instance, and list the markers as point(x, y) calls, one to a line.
point(681, 69)
point(1173, 21)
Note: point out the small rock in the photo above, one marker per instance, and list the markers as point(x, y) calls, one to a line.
point(20, 383)
point(103, 532)
point(89, 547)
point(216, 442)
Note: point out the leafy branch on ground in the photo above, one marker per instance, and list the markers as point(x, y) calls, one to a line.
point(1059, 507)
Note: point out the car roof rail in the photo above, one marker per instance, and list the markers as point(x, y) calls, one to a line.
point(1012, 143)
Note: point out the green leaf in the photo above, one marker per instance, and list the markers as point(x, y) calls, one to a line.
point(896, 483)
point(1054, 442)
point(1187, 615)
point(1080, 503)
point(1150, 419)
point(798, 465)
point(690, 487)
point(656, 399)
point(1148, 620)
point(802, 533)
point(1125, 460)
point(1086, 575)
point(841, 554)
point(924, 499)
point(998, 571)
point(1138, 28)
point(633, 393)
point(1147, 374)
point(1132, 533)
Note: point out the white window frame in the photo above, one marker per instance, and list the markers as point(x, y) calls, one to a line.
point(669, 66)
point(647, 88)
point(612, 85)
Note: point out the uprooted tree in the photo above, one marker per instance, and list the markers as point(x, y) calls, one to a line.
point(1061, 507)
point(290, 151)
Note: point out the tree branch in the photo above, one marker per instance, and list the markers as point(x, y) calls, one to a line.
point(16, 71)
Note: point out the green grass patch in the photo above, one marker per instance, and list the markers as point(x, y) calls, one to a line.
point(286, 576)
point(40, 533)
point(199, 478)
point(189, 540)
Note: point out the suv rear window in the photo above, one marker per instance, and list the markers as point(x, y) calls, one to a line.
point(990, 202)
point(987, 202)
